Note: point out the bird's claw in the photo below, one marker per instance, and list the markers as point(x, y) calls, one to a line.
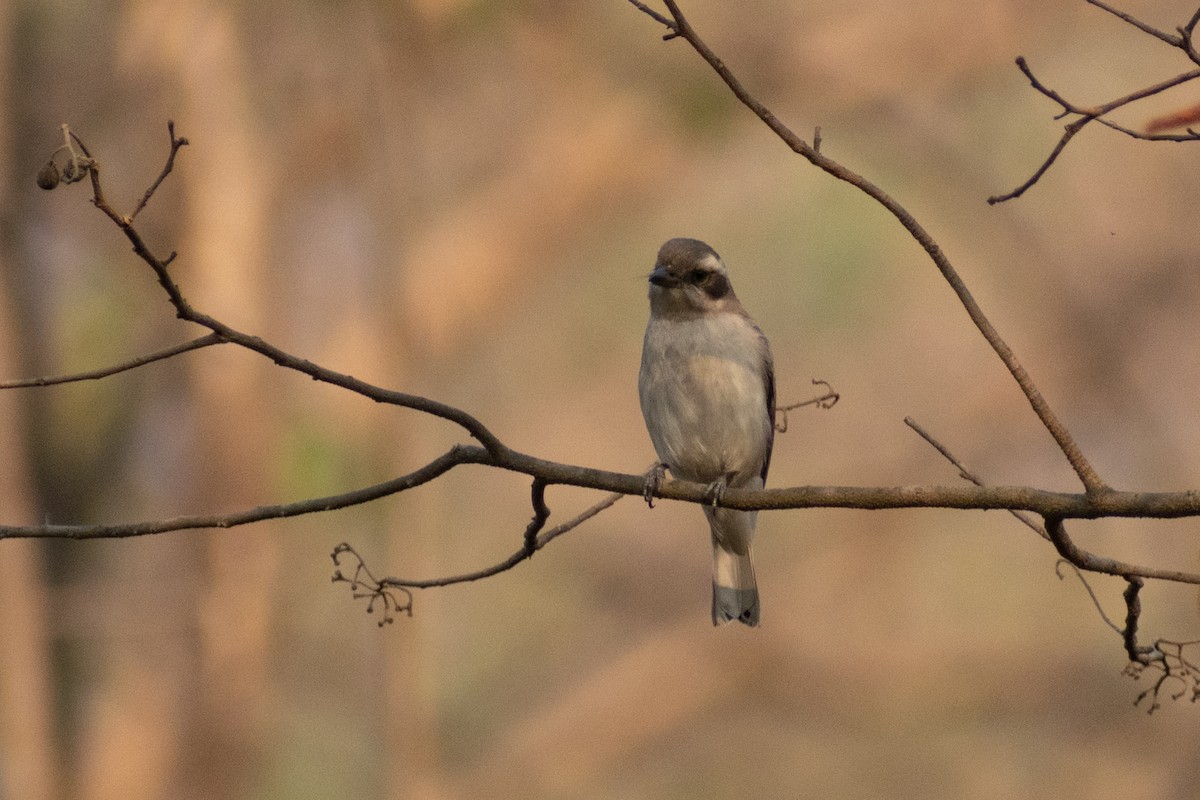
point(716, 491)
point(654, 479)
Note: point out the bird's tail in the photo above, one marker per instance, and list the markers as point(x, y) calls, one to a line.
point(735, 591)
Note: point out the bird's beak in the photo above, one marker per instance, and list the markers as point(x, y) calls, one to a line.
point(660, 277)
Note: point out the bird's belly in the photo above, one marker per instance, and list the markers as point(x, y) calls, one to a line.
point(712, 421)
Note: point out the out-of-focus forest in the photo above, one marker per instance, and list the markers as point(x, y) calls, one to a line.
point(462, 199)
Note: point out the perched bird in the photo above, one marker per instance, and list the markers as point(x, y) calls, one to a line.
point(707, 390)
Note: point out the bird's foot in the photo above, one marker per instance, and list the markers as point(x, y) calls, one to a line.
point(716, 491)
point(654, 479)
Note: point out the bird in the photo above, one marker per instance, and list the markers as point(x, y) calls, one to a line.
point(707, 391)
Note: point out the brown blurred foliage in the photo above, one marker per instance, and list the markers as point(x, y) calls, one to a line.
point(461, 199)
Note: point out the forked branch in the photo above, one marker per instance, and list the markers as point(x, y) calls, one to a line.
point(1084, 115)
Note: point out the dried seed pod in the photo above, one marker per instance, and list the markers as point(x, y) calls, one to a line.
point(48, 177)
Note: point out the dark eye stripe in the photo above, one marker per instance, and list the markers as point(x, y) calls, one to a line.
point(715, 285)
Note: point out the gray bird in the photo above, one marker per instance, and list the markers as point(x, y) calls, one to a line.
point(707, 389)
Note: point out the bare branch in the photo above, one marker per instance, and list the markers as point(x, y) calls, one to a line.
point(1062, 505)
point(364, 585)
point(1086, 115)
point(825, 401)
point(455, 456)
point(184, 311)
point(133, 363)
point(176, 143)
point(1174, 41)
point(1091, 592)
point(657, 17)
point(1094, 563)
point(1089, 115)
point(968, 475)
point(532, 542)
point(1186, 37)
point(1164, 656)
point(1133, 612)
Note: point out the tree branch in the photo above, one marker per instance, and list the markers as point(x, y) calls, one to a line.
point(1174, 41)
point(176, 143)
point(124, 366)
point(1094, 563)
point(439, 466)
point(824, 401)
point(1183, 41)
point(1063, 505)
point(968, 475)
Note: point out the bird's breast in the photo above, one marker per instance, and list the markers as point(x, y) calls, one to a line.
point(703, 395)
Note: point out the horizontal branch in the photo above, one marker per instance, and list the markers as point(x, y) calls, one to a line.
point(1063, 505)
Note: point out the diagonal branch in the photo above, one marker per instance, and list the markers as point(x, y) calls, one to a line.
point(967, 475)
point(1174, 41)
point(184, 311)
point(124, 366)
point(176, 143)
point(1087, 474)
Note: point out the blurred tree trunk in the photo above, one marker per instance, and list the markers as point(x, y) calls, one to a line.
point(27, 757)
point(191, 722)
point(411, 767)
point(27, 754)
point(234, 421)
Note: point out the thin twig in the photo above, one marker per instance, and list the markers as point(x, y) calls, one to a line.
point(1091, 592)
point(825, 401)
point(522, 554)
point(1133, 613)
point(364, 585)
point(133, 363)
point(176, 143)
point(1142, 26)
point(968, 475)
point(530, 544)
point(657, 17)
point(1182, 40)
point(1087, 115)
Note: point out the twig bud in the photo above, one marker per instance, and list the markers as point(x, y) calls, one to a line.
point(48, 177)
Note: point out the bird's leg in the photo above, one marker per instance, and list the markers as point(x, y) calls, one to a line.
point(654, 479)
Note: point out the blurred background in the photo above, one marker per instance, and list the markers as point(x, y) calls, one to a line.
point(462, 199)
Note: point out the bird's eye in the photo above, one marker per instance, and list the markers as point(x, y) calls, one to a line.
point(697, 276)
